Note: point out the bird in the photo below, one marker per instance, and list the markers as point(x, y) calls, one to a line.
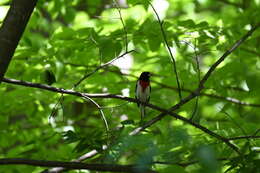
point(143, 91)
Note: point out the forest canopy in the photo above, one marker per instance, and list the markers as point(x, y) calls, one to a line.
point(68, 72)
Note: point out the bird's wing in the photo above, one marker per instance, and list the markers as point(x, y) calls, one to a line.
point(149, 93)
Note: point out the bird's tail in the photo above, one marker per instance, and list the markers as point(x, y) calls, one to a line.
point(142, 110)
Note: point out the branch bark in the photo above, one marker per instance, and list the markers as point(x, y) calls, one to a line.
point(75, 165)
point(12, 29)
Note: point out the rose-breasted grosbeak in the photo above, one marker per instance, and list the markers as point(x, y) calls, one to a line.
point(142, 91)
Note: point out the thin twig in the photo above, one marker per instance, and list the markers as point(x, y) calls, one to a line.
point(244, 137)
point(185, 164)
point(91, 73)
point(198, 72)
point(234, 121)
point(101, 66)
point(55, 108)
point(123, 24)
point(169, 50)
point(101, 113)
point(255, 133)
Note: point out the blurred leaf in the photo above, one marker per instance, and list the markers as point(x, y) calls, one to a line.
point(70, 136)
point(187, 23)
point(49, 77)
point(127, 122)
point(207, 159)
point(66, 40)
point(173, 168)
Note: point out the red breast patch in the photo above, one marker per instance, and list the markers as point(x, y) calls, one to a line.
point(144, 84)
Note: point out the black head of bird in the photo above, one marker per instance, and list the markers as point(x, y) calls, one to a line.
point(145, 76)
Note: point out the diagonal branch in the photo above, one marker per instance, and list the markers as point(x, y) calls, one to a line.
point(74, 165)
point(12, 30)
point(228, 52)
point(202, 82)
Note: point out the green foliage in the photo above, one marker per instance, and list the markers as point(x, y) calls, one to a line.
point(66, 40)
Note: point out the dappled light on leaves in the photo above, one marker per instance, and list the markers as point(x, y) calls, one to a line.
point(68, 95)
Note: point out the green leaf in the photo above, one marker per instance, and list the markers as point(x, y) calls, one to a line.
point(173, 168)
point(207, 159)
point(127, 122)
point(187, 23)
point(70, 136)
point(49, 77)
point(202, 25)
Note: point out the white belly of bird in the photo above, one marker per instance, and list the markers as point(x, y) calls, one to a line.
point(142, 95)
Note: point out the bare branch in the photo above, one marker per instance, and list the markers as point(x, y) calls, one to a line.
point(169, 49)
point(74, 165)
point(223, 57)
point(101, 113)
point(138, 130)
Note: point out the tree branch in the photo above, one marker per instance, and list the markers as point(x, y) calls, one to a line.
point(223, 57)
point(12, 29)
point(215, 96)
point(80, 159)
point(74, 165)
point(202, 82)
point(107, 95)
